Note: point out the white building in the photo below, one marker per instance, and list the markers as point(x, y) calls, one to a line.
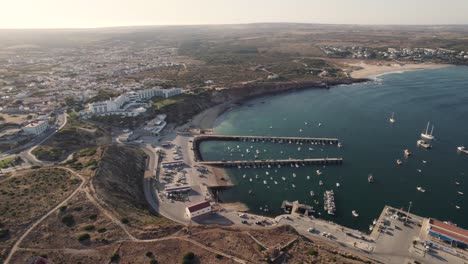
point(125, 104)
point(36, 127)
point(198, 209)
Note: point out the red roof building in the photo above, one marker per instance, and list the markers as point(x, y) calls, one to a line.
point(451, 234)
point(198, 209)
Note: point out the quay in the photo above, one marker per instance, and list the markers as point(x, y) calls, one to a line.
point(257, 163)
point(280, 140)
point(272, 139)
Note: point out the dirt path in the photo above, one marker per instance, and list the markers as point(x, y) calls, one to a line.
point(39, 221)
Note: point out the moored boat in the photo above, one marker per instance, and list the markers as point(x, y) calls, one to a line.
point(370, 178)
point(355, 214)
point(420, 189)
point(426, 134)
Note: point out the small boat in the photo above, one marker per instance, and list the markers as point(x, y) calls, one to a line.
point(392, 118)
point(294, 175)
point(275, 182)
point(419, 170)
point(300, 130)
point(283, 178)
point(312, 193)
point(250, 191)
point(294, 186)
point(371, 227)
point(250, 179)
point(308, 177)
point(423, 144)
point(299, 149)
point(355, 214)
point(265, 182)
point(456, 206)
point(305, 123)
point(457, 183)
point(420, 189)
point(424, 161)
point(370, 178)
point(374, 221)
point(271, 127)
point(243, 176)
point(407, 153)
point(426, 134)
point(337, 184)
point(267, 173)
point(399, 162)
point(320, 183)
point(460, 193)
point(340, 145)
point(462, 149)
point(319, 124)
point(318, 172)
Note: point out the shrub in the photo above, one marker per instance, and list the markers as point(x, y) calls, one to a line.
point(149, 254)
point(115, 257)
point(312, 252)
point(93, 217)
point(218, 256)
point(188, 258)
point(63, 208)
point(89, 228)
point(83, 237)
point(261, 248)
point(68, 220)
point(78, 208)
point(4, 232)
point(153, 261)
point(102, 230)
point(124, 221)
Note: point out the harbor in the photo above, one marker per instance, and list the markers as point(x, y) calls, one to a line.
point(246, 164)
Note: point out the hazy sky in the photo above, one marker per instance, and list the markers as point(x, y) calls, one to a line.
point(104, 13)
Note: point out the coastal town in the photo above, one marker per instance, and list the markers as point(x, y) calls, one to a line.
point(126, 126)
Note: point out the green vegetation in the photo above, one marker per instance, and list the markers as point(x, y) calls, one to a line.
point(68, 220)
point(86, 152)
point(6, 162)
point(4, 233)
point(63, 208)
point(188, 258)
point(89, 228)
point(93, 217)
point(218, 256)
point(84, 237)
point(261, 248)
point(47, 152)
point(115, 257)
point(103, 95)
point(102, 230)
point(153, 261)
point(312, 252)
point(124, 221)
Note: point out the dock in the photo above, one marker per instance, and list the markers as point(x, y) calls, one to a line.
point(272, 139)
point(259, 163)
point(279, 140)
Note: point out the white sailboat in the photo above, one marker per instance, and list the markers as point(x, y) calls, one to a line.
point(392, 118)
point(426, 135)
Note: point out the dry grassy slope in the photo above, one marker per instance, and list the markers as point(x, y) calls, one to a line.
point(74, 136)
point(119, 183)
point(119, 178)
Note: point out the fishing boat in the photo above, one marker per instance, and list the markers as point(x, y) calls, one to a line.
point(320, 183)
point(318, 172)
point(423, 144)
point(420, 189)
point(460, 193)
point(457, 183)
point(407, 153)
point(399, 162)
point(392, 118)
point(370, 178)
point(355, 214)
point(456, 206)
point(312, 193)
point(426, 134)
point(462, 149)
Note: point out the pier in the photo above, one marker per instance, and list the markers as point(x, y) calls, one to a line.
point(329, 141)
point(272, 139)
point(260, 163)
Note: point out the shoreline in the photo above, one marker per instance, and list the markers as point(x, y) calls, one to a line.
point(374, 70)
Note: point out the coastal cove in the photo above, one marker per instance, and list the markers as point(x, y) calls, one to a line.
point(358, 115)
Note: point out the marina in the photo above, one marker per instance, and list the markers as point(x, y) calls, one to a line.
point(265, 163)
point(373, 145)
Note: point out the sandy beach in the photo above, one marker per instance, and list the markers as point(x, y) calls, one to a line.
point(369, 70)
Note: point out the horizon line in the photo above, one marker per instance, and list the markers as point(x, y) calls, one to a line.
point(225, 24)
